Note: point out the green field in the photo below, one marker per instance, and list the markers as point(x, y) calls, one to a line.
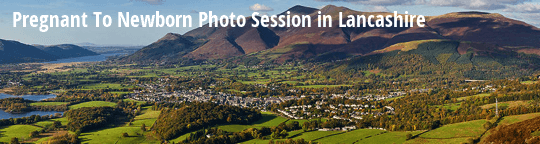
point(114, 135)
point(350, 137)
point(48, 103)
point(518, 118)
point(93, 104)
point(452, 133)
point(450, 106)
point(268, 120)
point(389, 137)
point(20, 131)
point(464, 129)
point(46, 123)
point(138, 102)
point(529, 82)
point(104, 86)
point(322, 86)
point(478, 95)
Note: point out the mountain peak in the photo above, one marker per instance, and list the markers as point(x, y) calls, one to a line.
point(171, 36)
point(300, 10)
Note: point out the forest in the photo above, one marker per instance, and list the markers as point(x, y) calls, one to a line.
point(174, 122)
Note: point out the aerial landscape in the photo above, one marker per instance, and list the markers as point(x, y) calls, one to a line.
point(470, 75)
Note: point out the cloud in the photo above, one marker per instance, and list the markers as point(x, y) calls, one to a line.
point(374, 2)
point(128, 4)
point(260, 8)
point(524, 8)
point(467, 4)
point(193, 11)
point(152, 2)
point(377, 9)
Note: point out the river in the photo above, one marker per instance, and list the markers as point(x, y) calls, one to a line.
point(6, 115)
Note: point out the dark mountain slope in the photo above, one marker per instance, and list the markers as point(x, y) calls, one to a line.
point(16, 52)
point(66, 51)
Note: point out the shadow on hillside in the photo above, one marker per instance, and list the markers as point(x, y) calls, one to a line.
point(265, 118)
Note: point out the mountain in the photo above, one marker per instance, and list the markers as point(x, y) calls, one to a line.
point(475, 31)
point(16, 52)
point(66, 51)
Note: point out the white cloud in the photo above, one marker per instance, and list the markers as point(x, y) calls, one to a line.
point(377, 9)
point(374, 2)
point(193, 11)
point(128, 4)
point(524, 8)
point(260, 8)
point(467, 4)
point(152, 2)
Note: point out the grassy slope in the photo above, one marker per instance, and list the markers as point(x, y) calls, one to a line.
point(19, 131)
point(93, 104)
point(114, 135)
point(268, 120)
point(452, 133)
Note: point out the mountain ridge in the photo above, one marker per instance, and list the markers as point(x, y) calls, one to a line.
point(278, 45)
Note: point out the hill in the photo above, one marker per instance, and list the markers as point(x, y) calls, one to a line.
point(279, 45)
point(66, 51)
point(16, 52)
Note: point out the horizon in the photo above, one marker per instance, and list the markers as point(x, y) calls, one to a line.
point(526, 11)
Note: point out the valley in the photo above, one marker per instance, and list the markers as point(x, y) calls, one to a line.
point(467, 77)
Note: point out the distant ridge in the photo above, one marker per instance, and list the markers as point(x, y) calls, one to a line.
point(66, 51)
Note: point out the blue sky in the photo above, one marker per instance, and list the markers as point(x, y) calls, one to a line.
point(525, 10)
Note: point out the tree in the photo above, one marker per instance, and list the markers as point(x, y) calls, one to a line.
point(143, 127)
point(34, 134)
point(409, 136)
point(14, 140)
point(57, 124)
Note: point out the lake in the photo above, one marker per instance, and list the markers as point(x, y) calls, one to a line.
point(6, 115)
point(28, 97)
point(96, 58)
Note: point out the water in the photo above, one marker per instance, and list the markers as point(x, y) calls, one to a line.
point(97, 58)
point(6, 115)
point(28, 97)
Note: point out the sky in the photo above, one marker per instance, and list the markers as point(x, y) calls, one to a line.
point(524, 10)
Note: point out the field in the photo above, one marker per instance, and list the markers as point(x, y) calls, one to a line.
point(322, 86)
point(326, 137)
point(450, 106)
point(48, 103)
point(114, 134)
point(452, 133)
point(20, 131)
point(349, 137)
point(478, 95)
point(93, 104)
point(529, 82)
point(388, 138)
point(517, 118)
point(46, 123)
point(508, 104)
point(104, 86)
point(268, 120)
